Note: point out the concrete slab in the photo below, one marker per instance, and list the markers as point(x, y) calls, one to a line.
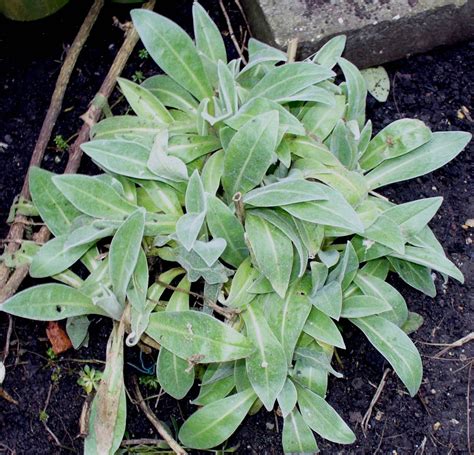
point(378, 31)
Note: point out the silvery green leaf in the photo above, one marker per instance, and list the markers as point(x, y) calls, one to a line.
point(442, 148)
point(329, 257)
point(319, 273)
point(313, 94)
point(396, 139)
point(417, 276)
point(322, 418)
point(315, 357)
point(396, 347)
point(328, 54)
point(173, 50)
point(431, 259)
point(387, 233)
point(378, 82)
point(250, 153)
point(267, 366)
point(297, 437)
point(287, 398)
point(197, 268)
point(227, 88)
point(284, 153)
point(212, 172)
point(261, 286)
point(359, 306)
point(347, 267)
point(260, 53)
point(311, 235)
point(368, 250)
point(144, 103)
point(343, 144)
point(195, 199)
point(286, 80)
point(209, 41)
point(93, 197)
point(173, 374)
point(210, 251)
point(314, 379)
point(193, 333)
point(107, 301)
point(202, 125)
point(190, 147)
point(284, 192)
point(257, 106)
point(287, 316)
point(323, 328)
point(55, 257)
point(365, 136)
point(124, 252)
point(273, 252)
point(222, 223)
point(241, 379)
point(426, 239)
point(329, 299)
point(376, 287)
point(55, 210)
point(311, 148)
point(77, 329)
point(163, 196)
point(333, 212)
point(356, 91)
point(50, 302)
point(164, 165)
point(285, 223)
point(213, 424)
point(320, 119)
point(188, 228)
point(88, 234)
point(377, 267)
point(217, 382)
point(239, 295)
point(413, 323)
point(170, 93)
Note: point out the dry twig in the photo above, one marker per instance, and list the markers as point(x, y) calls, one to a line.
point(154, 420)
point(231, 32)
point(142, 442)
point(378, 392)
point(291, 50)
point(456, 344)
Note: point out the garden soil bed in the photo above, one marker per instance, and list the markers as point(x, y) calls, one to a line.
point(432, 87)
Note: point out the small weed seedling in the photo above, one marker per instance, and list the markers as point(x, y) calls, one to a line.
point(258, 186)
point(89, 379)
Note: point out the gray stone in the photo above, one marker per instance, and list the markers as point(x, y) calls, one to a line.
point(378, 31)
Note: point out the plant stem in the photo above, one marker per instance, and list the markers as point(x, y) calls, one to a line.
point(239, 207)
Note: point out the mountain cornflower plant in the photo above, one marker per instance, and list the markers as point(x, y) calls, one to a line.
point(255, 187)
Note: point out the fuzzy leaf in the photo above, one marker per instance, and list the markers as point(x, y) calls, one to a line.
point(359, 306)
point(323, 328)
point(287, 398)
point(297, 437)
point(329, 299)
point(328, 54)
point(378, 82)
point(356, 91)
point(415, 275)
point(320, 119)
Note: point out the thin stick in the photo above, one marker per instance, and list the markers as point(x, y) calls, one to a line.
point(456, 344)
point(17, 228)
point(242, 12)
point(75, 153)
point(7, 340)
point(375, 398)
point(468, 410)
point(291, 50)
point(154, 420)
point(231, 32)
point(239, 207)
point(142, 442)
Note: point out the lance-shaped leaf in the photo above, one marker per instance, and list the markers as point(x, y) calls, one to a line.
point(227, 88)
point(87, 234)
point(314, 94)
point(287, 316)
point(215, 422)
point(93, 197)
point(327, 56)
point(192, 334)
point(212, 172)
point(356, 91)
point(359, 306)
point(55, 210)
point(284, 192)
point(297, 437)
point(245, 276)
point(170, 93)
point(384, 231)
point(77, 329)
point(315, 356)
point(250, 153)
point(442, 148)
point(333, 212)
point(322, 418)
point(311, 148)
point(323, 328)
point(165, 198)
point(343, 144)
point(286, 80)
point(273, 252)
point(267, 366)
point(378, 82)
point(378, 268)
point(347, 267)
point(415, 275)
point(190, 147)
point(124, 251)
point(314, 379)
point(396, 347)
point(396, 139)
point(144, 103)
point(109, 409)
point(431, 259)
point(376, 287)
point(222, 223)
point(311, 235)
point(173, 50)
point(413, 323)
point(50, 302)
point(217, 382)
point(210, 251)
point(320, 119)
point(287, 398)
point(329, 299)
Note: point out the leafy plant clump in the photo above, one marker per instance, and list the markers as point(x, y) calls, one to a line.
point(253, 189)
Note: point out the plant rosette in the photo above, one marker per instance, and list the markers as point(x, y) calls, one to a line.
point(255, 186)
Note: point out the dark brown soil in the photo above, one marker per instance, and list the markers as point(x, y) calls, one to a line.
point(432, 87)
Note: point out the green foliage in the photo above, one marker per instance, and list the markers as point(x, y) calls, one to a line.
point(89, 379)
point(256, 184)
